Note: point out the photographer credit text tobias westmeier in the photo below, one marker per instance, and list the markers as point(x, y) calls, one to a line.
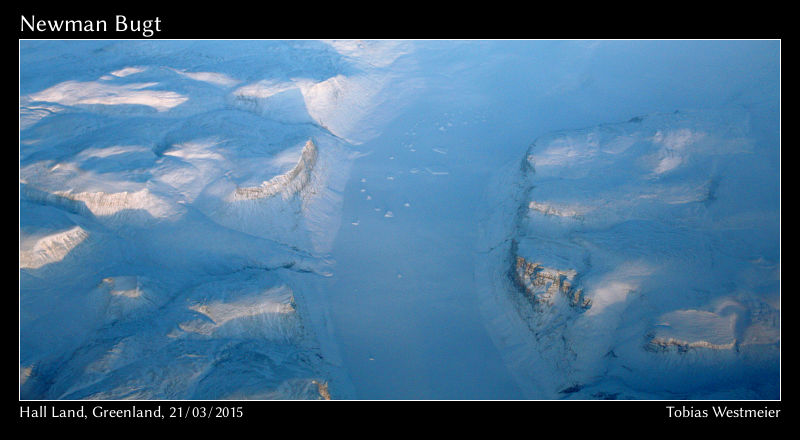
point(721, 412)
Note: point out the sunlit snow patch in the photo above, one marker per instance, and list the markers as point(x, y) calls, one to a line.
point(127, 71)
point(216, 78)
point(76, 93)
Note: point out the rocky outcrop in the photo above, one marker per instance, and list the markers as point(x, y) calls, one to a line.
point(657, 344)
point(542, 283)
point(322, 387)
point(558, 211)
point(289, 183)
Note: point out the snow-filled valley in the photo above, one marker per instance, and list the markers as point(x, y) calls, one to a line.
point(399, 220)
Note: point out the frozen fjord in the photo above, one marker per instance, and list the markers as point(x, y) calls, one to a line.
point(161, 260)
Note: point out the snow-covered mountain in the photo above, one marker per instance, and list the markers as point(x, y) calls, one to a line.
point(169, 214)
point(642, 259)
point(361, 219)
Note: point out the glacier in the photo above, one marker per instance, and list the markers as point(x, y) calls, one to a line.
point(399, 219)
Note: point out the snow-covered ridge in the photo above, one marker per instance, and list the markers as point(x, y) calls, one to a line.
point(654, 198)
point(348, 104)
point(730, 325)
point(339, 103)
point(269, 314)
point(287, 184)
point(306, 215)
point(51, 248)
point(106, 204)
point(117, 207)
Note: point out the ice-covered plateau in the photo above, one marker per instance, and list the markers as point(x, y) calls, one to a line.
point(177, 207)
point(642, 259)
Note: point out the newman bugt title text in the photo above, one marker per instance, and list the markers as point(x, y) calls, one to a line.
point(147, 28)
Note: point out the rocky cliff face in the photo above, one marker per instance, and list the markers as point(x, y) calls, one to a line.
point(51, 248)
point(287, 184)
point(543, 283)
